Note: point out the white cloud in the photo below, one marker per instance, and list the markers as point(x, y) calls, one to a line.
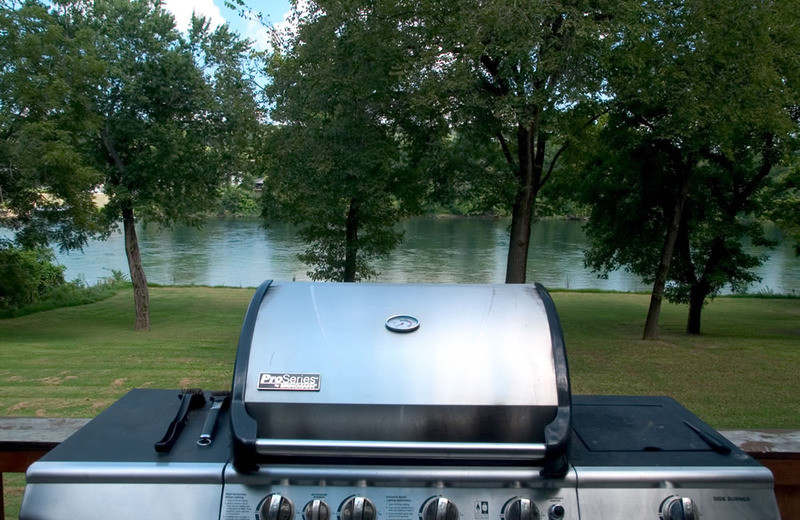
point(254, 31)
point(251, 29)
point(182, 10)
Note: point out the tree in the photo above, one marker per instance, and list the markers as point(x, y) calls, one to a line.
point(338, 166)
point(46, 128)
point(500, 71)
point(156, 121)
point(677, 168)
point(518, 74)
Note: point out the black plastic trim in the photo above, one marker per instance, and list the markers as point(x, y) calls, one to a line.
point(244, 429)
point(557, 433)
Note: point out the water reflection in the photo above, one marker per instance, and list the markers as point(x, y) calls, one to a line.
point(241, 253)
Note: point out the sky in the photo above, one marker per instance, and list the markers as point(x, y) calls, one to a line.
point(274, 12)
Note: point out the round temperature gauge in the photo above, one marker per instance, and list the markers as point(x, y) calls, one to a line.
point(402, 323)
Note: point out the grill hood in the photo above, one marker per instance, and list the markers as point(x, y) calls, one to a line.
point(462, 371)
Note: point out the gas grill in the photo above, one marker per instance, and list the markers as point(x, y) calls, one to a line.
point(397, 402)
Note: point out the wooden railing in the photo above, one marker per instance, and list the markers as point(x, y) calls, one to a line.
point(778, 450)
point(23, 440)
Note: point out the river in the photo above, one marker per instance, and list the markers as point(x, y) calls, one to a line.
point(241, 253)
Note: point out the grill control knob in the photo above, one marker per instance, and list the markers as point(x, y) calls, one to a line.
point(359, 508)
point(556, 512)
point(276, 507)
point(679, 508)
point(317, 510)
point(440, 508)
point(521, 509)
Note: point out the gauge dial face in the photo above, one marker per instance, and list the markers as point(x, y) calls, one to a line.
point(402, 323)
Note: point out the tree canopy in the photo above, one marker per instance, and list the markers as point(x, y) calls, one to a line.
point(675, 121)
point(699, 116)
point(339, 163)
point(46, 125)
point(128, 105)
point(509, 78)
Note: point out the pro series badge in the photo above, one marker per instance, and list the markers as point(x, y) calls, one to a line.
point(289, 382)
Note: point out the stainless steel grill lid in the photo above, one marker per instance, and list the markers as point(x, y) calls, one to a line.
point(405, 371)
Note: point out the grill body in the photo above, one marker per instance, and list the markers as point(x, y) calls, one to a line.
point(401, 402)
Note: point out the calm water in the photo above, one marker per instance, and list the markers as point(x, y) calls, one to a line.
point(239, 252)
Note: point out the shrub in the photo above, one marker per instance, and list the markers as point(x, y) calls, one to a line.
point(238, 201)
point(26, 275)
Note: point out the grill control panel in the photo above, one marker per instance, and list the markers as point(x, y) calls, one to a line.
point(249, 500)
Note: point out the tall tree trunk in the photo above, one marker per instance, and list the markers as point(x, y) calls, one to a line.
point(531, 161)
point(141, 294)
point(699, 290)
point(662, 271)
point(351, 242)
point(697, 295)
point(520, 236)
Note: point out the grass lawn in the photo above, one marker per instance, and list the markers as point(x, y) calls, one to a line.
point(742, 372)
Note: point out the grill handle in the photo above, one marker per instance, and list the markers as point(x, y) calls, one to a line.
point(400, 449)
point(557, 433)
point(243, 426)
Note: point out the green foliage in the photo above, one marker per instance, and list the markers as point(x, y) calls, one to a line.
point(783, 201)
point(671, 147)
point(339, 168)
point(168, 108)
point(70, 294)
point(26, 276)
point(108, 94)
point(238, 200)
point(513, 79)
point(46, 124)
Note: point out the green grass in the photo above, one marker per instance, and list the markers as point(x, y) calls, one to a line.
point(742, 372)
point(75, 361)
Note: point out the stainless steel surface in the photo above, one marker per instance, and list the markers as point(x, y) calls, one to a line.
point(713, 503)
point(400, 493)
point(123, 491)
point(325, 376)
point(121, 501)
point(210, 425)
point(387, 449)
point(439, 508)
point(188, 473)
point(666, 477)
point(317, 510)
point(412, 475)
point(276, 507)
point(679, 508)
point(358, 508)
point(712, 493)
point(476, 345)
point(521, 509)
